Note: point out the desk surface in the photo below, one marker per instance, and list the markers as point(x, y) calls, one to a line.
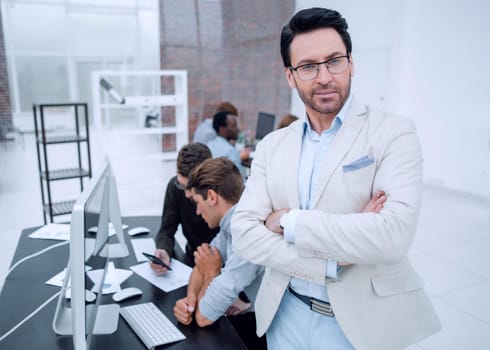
point(24, 290)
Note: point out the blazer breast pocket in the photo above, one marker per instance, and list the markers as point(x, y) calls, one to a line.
point(360, 169)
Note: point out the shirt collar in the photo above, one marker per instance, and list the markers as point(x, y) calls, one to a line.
point(339, 118)
point(227, 217)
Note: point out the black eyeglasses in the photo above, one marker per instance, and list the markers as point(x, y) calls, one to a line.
point(179, 185)
point(309, 71)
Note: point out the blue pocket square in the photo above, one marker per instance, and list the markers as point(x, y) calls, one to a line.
point(358, 164)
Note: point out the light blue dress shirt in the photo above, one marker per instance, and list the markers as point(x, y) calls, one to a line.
point(205, 131)
point(314, 152)
point(237, 275)
point(220, 147)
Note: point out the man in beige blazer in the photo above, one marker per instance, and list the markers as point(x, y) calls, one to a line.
point(336, 277)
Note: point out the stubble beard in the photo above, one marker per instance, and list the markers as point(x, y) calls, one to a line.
point(307, 98)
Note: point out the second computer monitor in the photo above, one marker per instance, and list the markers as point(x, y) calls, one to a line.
point(265, 124)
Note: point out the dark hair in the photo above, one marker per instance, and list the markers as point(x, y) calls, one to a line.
point(219, 120)
point(190, 156)
point(218, 174)
point(308, 20)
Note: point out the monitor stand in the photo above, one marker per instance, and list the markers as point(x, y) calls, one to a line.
point(114, 250)
point(110, 250)
point(106, 319)
point(105, 322)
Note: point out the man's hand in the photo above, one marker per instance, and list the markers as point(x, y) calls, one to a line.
point(184, 309)
point(376, 203)
point(273, 222)
point(238, 307)
point(208, 260)
point(163, 256)
point(245, 153)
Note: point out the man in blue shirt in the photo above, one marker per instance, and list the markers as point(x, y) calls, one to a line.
point(226, 126)
point(219, 275)
point(301, 215)
point(205, 131)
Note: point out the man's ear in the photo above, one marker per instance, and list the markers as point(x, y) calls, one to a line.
point(352, 68)
point(290, 77)
point(212, 196)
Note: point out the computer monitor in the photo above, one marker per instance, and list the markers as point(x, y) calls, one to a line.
point(265, 124)
point(78, 316)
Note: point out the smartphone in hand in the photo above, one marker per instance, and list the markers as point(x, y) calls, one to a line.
point(156, 260)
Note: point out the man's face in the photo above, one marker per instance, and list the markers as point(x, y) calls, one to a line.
point(205, 207)
point(231, 130)
point(325, 95)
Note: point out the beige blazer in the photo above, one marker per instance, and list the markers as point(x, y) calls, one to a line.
point(379, 301)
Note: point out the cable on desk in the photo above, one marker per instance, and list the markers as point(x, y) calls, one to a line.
point(30, 316)
point(34, 255)
point(43, 304)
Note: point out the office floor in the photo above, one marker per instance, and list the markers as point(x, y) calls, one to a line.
point(451, 250)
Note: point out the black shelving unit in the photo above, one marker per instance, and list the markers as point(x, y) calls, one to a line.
point(81, 169)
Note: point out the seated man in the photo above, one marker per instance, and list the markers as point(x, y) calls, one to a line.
point(179, 209)
point(223, 145)
point(204, 131)
point(213, 290)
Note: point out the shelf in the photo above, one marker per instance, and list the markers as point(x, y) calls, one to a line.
point(147, 101)
point(163, 156)
point(77, 134)
point(62, 139)
point(140, 106)
point(62, 174)
point(147, 131)
point(60, 208)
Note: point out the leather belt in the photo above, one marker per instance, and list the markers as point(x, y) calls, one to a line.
point(318, 306)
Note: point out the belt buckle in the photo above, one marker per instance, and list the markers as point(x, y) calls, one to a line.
point(321, 307)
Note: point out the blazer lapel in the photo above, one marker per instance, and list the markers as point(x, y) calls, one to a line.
point(345, 138)
point(291, 159)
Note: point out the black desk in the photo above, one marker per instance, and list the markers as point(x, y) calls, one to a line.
point(25, 289)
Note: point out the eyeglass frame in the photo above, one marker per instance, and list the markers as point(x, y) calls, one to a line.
point(179, 185)
point(291, 68)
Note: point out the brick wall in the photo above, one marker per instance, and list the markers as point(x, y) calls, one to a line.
point(230, 50)
point(5, 109)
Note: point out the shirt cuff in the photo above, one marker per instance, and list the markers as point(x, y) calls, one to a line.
point(288, 222)
point(332, 269)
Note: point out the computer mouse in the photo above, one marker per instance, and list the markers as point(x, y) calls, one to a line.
point(90, 296)
point(138, 231)
point(126, 293)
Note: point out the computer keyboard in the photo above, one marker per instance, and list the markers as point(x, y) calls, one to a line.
point(151, 325)
point(143, 245)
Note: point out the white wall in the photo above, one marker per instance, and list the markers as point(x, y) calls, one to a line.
point(429, 60)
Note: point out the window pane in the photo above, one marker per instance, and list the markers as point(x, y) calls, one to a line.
point(103, 34)
point(37, 27)
point(42, 80)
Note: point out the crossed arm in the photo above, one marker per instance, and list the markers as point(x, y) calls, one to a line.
point(214, 288)
point(375, 204)
point(208, 265)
